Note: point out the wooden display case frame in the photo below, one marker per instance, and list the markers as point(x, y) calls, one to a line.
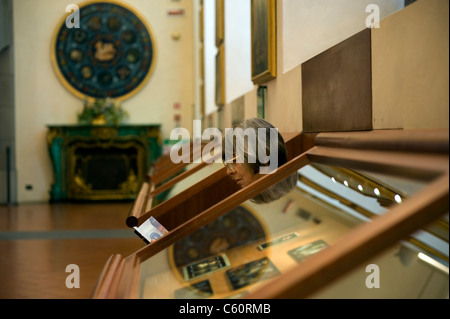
point(162, 176)
point(164, 169)
point(414, 153)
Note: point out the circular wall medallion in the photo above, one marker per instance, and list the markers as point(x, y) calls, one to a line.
point(110, 54)
point(238, 227)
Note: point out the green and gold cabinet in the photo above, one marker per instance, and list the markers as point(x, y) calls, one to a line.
point(101, 162)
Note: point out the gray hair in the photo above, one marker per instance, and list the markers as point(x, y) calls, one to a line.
point(256, 161)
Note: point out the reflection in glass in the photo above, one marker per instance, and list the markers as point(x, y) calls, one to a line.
point(327, 203)
point(200, 171)
point(369, 194)
point(185, 183)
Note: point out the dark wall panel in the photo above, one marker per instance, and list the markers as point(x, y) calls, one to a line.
point(337, 87)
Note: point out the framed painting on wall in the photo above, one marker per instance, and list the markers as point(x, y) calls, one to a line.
point(264, 40)
point(261, 102)
point(220, 23)
point(220, 77)
point(220, 118)
point(237, 111)
point(211, 120)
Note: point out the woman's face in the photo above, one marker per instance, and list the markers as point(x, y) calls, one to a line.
point(241, 174)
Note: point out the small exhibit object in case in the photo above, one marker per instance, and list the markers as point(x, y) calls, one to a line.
point(303, 252)
point(150, 230)
point(199, 290)
point(205, 266)
point(278, 241)
point(252, 272)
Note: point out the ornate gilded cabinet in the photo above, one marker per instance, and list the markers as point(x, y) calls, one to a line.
point(101, 162)
point(367, 205)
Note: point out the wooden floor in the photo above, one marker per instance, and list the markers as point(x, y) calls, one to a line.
point(38, 241)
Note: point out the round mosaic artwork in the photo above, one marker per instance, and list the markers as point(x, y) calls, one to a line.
point(110, 54)
point(238, 227)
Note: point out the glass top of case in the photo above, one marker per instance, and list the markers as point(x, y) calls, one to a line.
point(252, 244)
point(200, 168)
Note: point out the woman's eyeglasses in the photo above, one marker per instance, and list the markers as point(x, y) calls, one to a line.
point(229, 163)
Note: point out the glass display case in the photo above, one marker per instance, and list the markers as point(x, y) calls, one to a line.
point(188, 182)
point(365, 203)
point(165, 179)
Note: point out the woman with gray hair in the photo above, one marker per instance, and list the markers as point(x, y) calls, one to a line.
point(253, 148)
